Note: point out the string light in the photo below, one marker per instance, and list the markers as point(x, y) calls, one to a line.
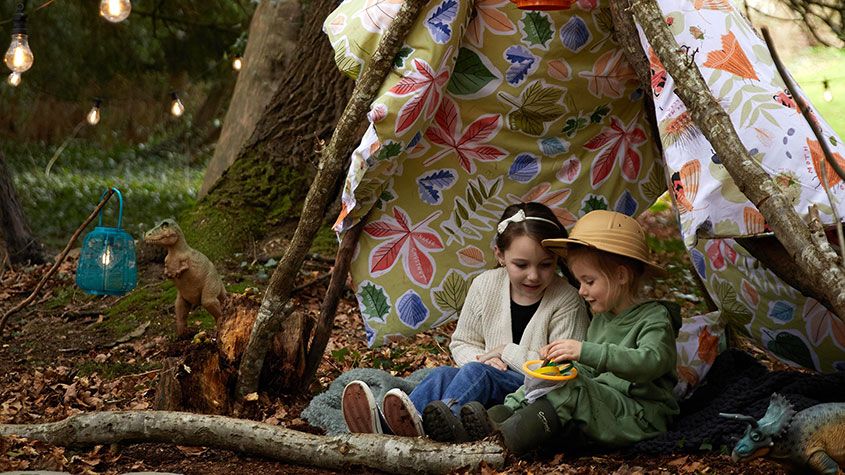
point(93, 116)
point(14, 79)
point(828, 94)
point(19, 57)
point(237, 63)
point(115, 11)
point(176, 106)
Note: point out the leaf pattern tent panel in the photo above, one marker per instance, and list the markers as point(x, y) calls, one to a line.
point(739, 69)
point(487, 105)
point(740, 72)
point(755, 302)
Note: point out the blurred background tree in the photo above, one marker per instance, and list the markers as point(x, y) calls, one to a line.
point(163, 46)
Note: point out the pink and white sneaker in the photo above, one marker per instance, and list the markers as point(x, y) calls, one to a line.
point(401, 415)
point(359, 409)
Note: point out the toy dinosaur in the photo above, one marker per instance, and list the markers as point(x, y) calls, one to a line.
point(195, 277)
point(811, 439)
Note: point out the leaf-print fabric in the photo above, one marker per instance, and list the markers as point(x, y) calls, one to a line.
point(741, 75)
point(487, 105)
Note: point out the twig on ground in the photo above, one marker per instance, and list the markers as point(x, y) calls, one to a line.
point(58, 262)
point(3, 264)
point(317, 279)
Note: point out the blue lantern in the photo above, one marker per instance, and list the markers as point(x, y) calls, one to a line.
point(107, 261)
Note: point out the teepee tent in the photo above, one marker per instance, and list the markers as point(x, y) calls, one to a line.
point(485, 104)
point(490, 105)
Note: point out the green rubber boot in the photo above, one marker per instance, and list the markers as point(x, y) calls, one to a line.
point(530, 427)
point(480, 422)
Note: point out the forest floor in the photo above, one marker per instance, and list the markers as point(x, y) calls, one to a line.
point(69, 353)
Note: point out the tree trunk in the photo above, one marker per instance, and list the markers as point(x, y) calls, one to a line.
point(273, 33)
point(271, 316)
point(287, 99)
point(391, 454)
point(824, 272)
point(16, 240)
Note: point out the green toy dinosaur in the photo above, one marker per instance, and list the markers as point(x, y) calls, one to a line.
point(195, 277)
point(811, 439)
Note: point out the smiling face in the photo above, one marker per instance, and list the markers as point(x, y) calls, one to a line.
point(530, 269)
point(603, 290)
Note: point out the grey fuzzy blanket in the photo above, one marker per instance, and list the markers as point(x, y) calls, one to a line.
point(324, 409)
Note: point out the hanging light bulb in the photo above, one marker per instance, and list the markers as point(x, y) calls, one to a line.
point(115, 11)
point(176, 106)
point(237, 63)
point(14, 79)
point(106, 257)
point(19, 57)
point(828, 94)
point(93, 116)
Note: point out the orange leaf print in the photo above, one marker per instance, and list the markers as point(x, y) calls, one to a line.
point(685, 373)
point(818, 157)
point(471, 256)
point(750, 292)
point(554, 199)
point(610, 75)
point(489, 17)
point(708, 346)
point(755, 223)
point(731, 58)
point(721, 5)
point(560, 70)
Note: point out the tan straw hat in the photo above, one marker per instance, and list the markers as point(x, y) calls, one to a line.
point(607, 231)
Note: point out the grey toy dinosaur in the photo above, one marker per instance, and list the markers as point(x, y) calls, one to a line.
point(195, 277)
point(811, 439)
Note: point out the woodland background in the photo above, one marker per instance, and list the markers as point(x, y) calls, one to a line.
point(69, 352)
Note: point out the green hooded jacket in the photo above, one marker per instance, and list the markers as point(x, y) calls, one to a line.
point(635, 353)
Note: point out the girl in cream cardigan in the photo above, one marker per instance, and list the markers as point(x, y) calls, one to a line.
point(510, 313)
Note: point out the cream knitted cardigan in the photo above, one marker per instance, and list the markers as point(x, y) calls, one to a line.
point(485, 320)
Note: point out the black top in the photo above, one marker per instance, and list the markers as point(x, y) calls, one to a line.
point(520, 316)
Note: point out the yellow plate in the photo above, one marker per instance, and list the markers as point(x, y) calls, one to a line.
point(550, 373)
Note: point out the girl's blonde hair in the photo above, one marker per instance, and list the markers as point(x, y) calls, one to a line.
point(607, 263)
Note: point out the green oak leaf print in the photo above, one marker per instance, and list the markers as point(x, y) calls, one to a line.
point(535, 107)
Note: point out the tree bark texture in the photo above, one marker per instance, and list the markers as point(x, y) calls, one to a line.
point(271, 317)
point(752, 180)
point(272, 144)
point(15, 235)
point(200, 376)
point(392, 454)
point(271, 49)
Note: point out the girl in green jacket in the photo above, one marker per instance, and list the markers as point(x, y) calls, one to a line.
point(626, 365)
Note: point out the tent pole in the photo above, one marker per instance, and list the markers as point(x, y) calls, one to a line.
point(328, 310)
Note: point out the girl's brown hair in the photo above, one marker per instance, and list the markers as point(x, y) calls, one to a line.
point(607, 263)
point(533, 228)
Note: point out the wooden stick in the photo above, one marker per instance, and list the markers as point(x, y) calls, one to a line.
point(329, 307)
point(805, 111)
point(58, 262)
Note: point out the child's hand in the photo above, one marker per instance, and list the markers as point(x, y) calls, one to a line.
point(497, 363)
point(561, 350)
point(494, 353)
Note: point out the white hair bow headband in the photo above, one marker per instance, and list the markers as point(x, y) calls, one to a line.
point(519, 217)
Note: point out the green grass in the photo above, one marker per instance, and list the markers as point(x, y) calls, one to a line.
point(810, 69)
point(155, 185)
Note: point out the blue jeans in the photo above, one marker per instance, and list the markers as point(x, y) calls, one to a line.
point(471, 382)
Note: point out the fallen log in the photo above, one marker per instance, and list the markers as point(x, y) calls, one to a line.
point(388, 453)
